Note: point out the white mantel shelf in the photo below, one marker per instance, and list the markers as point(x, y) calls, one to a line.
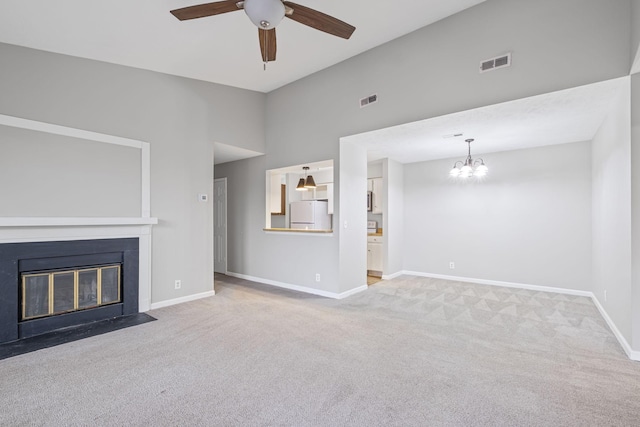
point(73, 221)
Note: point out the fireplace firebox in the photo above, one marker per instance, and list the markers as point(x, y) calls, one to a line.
point(46, 286)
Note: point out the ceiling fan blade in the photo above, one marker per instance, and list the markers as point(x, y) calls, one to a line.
point(267, 44)
point(319, 20)
point(207, 9)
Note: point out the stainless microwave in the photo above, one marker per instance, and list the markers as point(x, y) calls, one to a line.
point(369, 201)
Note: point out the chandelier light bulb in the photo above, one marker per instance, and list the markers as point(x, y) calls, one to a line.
point(481, 170)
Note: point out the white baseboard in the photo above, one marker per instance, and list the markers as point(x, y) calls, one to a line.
point(632, 354)
point(180, 300)
point(298, 288)
point(393, 276)
point(503, 284)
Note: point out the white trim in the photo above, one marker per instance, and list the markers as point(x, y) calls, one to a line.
point(144, 147)
point(180, 300)
point(72, 221)
point(319, 233)
point(226, 223)
point(298, 288)
point(145, 180)
point(18, 122)
point(35, 229)
point(353, 292)
point(632, 354)
point(503, 284)
point(393, 276)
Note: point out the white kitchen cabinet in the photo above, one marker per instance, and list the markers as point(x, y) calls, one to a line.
point(375, 186)
point(277, 195)
point(374, 253)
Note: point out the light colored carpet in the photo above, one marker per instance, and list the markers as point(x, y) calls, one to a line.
point(406, 352)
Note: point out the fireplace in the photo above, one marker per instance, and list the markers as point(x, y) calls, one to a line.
point(46, 286)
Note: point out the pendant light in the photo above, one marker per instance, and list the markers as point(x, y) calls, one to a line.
point(469, 167)
point(300, 186)
point(307, 182)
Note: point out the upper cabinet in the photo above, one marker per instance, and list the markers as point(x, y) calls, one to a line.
point(375, 186)
point(323, 190)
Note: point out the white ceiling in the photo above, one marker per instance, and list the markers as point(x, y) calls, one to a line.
point(565, 116)
point(221, 49)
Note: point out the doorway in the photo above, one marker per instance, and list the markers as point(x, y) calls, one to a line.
point(220, 225)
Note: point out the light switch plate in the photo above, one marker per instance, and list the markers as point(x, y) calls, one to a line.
point(203, 197)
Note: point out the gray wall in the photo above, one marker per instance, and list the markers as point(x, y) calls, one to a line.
point(352, 220)
point(635, 209)
point(180, 118)
point(635, 32)
point(394, 217)
point(528, 221)
point(52, 175)
point(430, 72)
point(635, 177)
point(611, 182)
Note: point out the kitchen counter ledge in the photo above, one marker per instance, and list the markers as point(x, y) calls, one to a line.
point(292, 230)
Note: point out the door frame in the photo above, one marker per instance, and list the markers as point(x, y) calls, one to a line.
point(226, 233)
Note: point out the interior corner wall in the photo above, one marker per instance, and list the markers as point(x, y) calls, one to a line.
point(179, 117)
point(528, 222)
point(393, 230)
point(611, 188)
point(635, 211)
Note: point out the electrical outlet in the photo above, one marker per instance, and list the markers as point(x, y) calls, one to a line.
point(178, 284)
point(317, 277)
point(452, 265)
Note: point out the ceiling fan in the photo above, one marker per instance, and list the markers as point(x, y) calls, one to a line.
point(266, 14)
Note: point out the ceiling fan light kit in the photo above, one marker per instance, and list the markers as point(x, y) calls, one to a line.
point(266, 15)
point(469, 167)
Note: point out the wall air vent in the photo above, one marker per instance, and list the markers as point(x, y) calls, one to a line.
point(371, 99)
point(495, 63)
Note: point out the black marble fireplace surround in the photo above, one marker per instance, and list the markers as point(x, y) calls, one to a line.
point(18, 258)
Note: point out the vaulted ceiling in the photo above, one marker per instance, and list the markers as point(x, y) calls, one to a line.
point(221, 49)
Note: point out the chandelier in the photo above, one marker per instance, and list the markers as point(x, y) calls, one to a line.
point(469, 167)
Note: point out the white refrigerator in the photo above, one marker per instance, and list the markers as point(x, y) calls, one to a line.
point(310, 215)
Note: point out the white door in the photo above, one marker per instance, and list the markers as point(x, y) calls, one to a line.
point(220, 225)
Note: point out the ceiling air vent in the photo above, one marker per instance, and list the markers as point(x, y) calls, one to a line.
point(495, 63)
point(371, 99)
